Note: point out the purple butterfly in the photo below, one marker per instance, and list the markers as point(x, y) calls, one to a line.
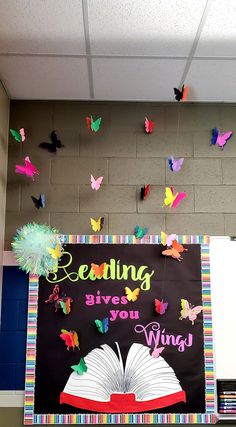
point(175, 164)
point(219, 138)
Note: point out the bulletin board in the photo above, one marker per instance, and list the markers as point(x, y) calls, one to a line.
point(142, 367)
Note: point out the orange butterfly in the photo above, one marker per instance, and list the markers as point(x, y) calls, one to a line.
point(173, 253)
point(98, 270)
point(176, 245)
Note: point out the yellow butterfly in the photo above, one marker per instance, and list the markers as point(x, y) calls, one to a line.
point(170, 197)
point(55, 252)
point(132, 295)
point(97, 224)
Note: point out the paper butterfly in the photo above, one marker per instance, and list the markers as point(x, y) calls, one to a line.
point(55, 252)
point(181, 95)
point(175, 164)
point(102, 325)
point(173, 253)
point(40, 202)
point(149, 125)
point(173, 199)
point(93, 125)
point(176, 245)
point(140, 232)
point(96, 183)
point(65, 304)
point(157, 351)
point(81, 368)
point(189, 311)
point(132, 295)
point(97, 225)
point(145, 191)
point(160, 306)
point(55, 295)
point(98, 270)
point(19, 136)
point(167, 240)
point(29, 169)
point(70, 338)
point(54, 145)
point(220, 139)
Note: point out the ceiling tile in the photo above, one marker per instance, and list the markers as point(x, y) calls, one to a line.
point(52, 26)
point(45, 77)
point(218, 37)
point(144, 27)
point(212, 80)
point(136, 79)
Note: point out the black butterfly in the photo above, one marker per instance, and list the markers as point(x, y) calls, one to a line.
point(181, 94)
point(54, 145)
point(40, 202)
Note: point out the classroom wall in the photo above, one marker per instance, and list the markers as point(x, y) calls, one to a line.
point(127, 158)
point(4, 125)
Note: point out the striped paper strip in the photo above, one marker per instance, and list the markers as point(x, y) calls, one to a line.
point(208, 418)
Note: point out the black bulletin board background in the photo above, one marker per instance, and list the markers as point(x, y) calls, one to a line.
point(172, 281)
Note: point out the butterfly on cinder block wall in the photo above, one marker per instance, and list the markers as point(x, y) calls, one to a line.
point(181, 95)
point(148, 125)
point(219, 138)
point(96, 183)
point(173, 199)
point(19, 136)
point(175, 164)
point(40, 202)
point(144, 192)
point(97, 224)
point(52, 146)
point(93, 125)
point(29, 169)
point(140, 232)
point(167, 239)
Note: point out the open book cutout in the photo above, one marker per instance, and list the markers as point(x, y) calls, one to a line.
point(144, 384)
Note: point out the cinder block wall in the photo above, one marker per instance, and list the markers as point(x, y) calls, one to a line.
point(127, 158)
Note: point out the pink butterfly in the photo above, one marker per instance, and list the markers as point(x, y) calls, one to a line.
point(22, 134)
point(160, 306)
point(223, 138)
point(96, 183)
point(175, 164)
point(29, 169)
point(157, 351)
point(189, 311)
point(167, 239)
point(149, 125)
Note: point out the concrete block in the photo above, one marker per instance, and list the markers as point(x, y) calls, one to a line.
point(230, 224)
point(209, 224)
point(77, 171)
point(164, 144)
point(77, 223)
point(59, 198)
point(202, 147)
point(116, 144)
point(125, 223)
point(11, 417)
point(196, 171)
point(220, 198)
point(229, 171)
point(228, 118)
point(108, 199)
point(198, 117)
point(155, 200)
point(130, 116)
point(15, 220)
point(13, 197)
point(43, 165)
point(30, 114)
point(136, 171)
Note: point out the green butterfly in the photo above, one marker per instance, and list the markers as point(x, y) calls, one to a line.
point(19, 136)
point(81, 368)
point(102, 325)
point(95, 124)
point(140, 232)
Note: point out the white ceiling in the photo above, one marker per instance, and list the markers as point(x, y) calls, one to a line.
point(118, 49)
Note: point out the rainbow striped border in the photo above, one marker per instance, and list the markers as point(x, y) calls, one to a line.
point(208, 418)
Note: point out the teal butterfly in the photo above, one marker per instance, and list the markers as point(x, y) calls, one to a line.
point(81, 368)
point(93, 125)
point(140, 232)
point(102, 325)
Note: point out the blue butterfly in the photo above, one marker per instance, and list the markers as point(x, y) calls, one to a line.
point(140, 232)
point(214, 137)
point(102, 325)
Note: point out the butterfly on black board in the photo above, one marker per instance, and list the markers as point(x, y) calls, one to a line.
point(181, 95)
point(52, 146)
point(40, 202)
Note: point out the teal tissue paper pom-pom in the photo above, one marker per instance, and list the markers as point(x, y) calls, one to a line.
point(31, 247)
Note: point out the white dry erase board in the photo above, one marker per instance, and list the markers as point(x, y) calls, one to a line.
point(223, 294)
